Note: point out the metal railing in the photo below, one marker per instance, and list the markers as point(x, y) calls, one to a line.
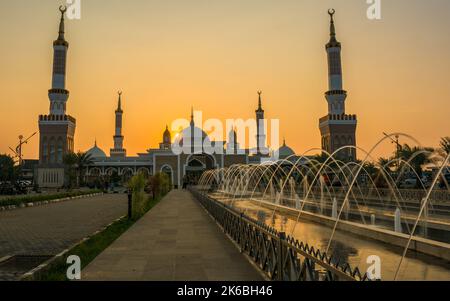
point(279, 257)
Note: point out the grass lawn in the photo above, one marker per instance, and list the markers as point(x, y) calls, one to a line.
point(92, 247)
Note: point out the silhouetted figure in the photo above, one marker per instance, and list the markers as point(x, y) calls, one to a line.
point(185, 181)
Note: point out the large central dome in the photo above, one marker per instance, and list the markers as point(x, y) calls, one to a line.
point(192, 136)
point(191, 140)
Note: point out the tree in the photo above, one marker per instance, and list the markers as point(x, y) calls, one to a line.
point(137, 185)
point(76, 164)
point(445, 146)
point(385, 164)
point(160, 184)
point(417, 157)
point(70, 160)
point(8, 171)
point(83, 161)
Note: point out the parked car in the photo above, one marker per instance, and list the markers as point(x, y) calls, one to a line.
point(10, 188)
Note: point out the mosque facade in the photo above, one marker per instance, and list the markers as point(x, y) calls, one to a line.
point(57, 135)
point(184, 166)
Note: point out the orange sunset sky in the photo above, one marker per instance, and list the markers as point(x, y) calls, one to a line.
point(169, 55)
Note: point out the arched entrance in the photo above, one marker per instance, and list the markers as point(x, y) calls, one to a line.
point(144, 171)
point(127, 174)
point(169, 172)
point(196, 165)
point(94, 178)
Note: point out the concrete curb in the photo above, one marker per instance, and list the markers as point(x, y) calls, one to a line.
point(36, 273)
point(42, 203)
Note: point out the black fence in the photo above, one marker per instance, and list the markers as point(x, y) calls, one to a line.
point(279, 257)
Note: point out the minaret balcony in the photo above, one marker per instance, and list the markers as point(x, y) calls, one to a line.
point(61, 43)
point(333, 44)
point(336, 117)
point(57, 118)
point(336, 92)
point(58, 91)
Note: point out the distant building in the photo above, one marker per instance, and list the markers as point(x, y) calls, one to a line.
point(338, 129)
point(27, 170)
point(57, 129)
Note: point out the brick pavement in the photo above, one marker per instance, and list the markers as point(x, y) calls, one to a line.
point(49, 229)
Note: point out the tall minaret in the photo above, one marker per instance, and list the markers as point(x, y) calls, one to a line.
point(338, 129)
point(118, 150)
point(261, 129)
point(336, 95)
point(57, 128)
point(232, 144)
point(58, 94)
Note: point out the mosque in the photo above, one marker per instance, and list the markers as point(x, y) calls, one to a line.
point(57, 133)
point(179, 167)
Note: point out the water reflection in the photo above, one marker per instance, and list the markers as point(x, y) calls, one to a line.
point(350, 248)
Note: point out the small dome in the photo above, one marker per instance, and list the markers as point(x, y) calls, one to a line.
point(96, 152)
point(284, 152)
point(167, 138)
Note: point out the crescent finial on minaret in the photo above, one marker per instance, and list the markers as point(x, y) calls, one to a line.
point(63, 9)
point(333, 42)
point(331, 12)
point(259, 100)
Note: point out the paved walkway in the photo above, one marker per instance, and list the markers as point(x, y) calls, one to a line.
point(50, 229)
point(176, 240)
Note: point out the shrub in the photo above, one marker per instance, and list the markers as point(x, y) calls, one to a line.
point(160, 184)
point(139, 199)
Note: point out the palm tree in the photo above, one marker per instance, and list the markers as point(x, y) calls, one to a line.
point(70, 160)
point(418, 156)
point(445, 146)
point(83, 161)
point(76, 164)
point(385, 164)
point(8, 170)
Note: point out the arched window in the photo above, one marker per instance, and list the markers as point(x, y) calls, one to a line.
point(59, 158)
point(45, 150)
point(52, 151)
point(337, 142)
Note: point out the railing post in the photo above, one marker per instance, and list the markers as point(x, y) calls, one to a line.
point(241, 232)
point(281, 239)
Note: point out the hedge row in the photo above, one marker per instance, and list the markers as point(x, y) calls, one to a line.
point(17, 201)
